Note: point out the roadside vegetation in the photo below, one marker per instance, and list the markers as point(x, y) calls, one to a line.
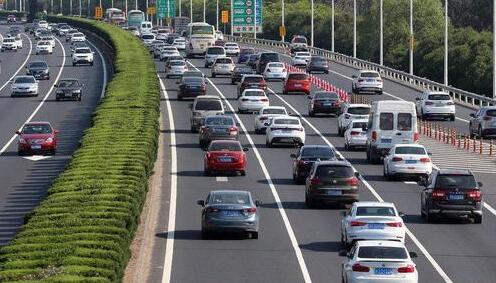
point(82, 231)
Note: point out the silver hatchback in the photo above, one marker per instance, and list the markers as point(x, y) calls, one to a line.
point(229, 211)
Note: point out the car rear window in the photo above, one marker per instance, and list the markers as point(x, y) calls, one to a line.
point(326, 95)
point(359, 110)
point(254, 57)
point(409, 150)
point(404, 122)
point(439, 97)
point(219, 121)
point(148, 36)
point(317, 152)
point(491, 113)
point(231, 45)
point(455, 181)
point(318, 59)
point(243, 69)
point(298, 77)
point(193, 80)
point(224, 61)
point(386, 121)
point(334, 171)
point(269, 57)
point(224, 146)
point(177, 63)
point(215, 50)
point(254, 93)
point(230, 198)
point(274, 111)
point(369, 75)
point(193, 74)
point(204, 104)
point(360, 125)
point(83, 50)
point(375, 211)
point(38, 65)
point(253, 79)
point(382, 252)
point(247, 51)
point(276, 65)
point(286, 122)
point(299, 40)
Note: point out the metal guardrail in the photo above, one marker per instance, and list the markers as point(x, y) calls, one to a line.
point(458, 95)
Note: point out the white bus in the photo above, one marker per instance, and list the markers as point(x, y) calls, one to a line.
point(199, 36)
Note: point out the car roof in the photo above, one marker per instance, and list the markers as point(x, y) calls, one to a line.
point(316, 146)
point(408, 145)
point(286, 117)
point(368, 71)
point(230, 192)
point(333, 162)
point(374, 243)
point(225, 141)
point(360, 121)
point(435, 92)
point(220, 116)
point(252, 76)
point(254, 90)
point(358, 105)
point(454, 172)
point(273, 107)
point(37, 123)
point(373, 203)
point(207, 97)
point(17, 77)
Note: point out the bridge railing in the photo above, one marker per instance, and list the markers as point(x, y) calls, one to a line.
point(459, 96)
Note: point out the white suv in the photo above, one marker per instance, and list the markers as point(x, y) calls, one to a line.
point(435, 104)
point(232, 49)
point(223, 66)
point(367, 81)
point(351, 112)
point(284, 129)
point(82, 55)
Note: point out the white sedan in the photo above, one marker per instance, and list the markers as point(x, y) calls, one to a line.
point(372, 221)
point(43, 47)
point(275, 71)
point(168, 53)
point(355, 134)
point(284, 129)
point(176, 68)
point(232, 49)
point(265, 114)
point(379, 261)
point(252, 100)
point(180, 43)
point(301, 58)
point(223, 66)
point(409, 160)
point(78, 37)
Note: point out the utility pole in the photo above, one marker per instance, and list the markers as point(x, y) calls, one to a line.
point(446, 81)
point(60, 7)
point(204, 11)
point(282, 18)
point(381, 47)
point(311, 24)
point(180, 8)
point(232, 20)
point(354, 29)
point(80, 8)
point(255, 19)
point(125, 8)
point(332, 26)
point(146, 10)
point(217, 15)
point(494, 48)
point(70, 8)
point(411, 37)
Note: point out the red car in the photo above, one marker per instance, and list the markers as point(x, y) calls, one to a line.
point(297, 83)
point(37, 137)
point(225, 156)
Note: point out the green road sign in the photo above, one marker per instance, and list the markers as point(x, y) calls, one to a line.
point(244, 15)
point(166, 8)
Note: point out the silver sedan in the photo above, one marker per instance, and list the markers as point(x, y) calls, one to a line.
point(229, 211)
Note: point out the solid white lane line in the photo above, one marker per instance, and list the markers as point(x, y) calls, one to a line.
point(22, 65)
point(171, 226)
point(287, 224)
point(4, 148)
point(104, 66)
point(421, 247)
point(410, 183)
point(221, 179)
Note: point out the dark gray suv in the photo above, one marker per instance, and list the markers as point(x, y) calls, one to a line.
point(451, 193)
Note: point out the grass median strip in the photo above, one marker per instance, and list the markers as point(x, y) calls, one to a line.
point(83, 229)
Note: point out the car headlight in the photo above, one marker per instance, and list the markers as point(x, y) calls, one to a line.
point(76, 91)
point(21, 140)
point(49, 140)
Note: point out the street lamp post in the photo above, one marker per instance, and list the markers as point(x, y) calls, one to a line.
point(381, 45)
point(80, 8)
point(217, 15)
point(60, 6)
point(282, 18)
point(411, 37)
point(255, 19)
point(232, 20)
point(204, 11)
point(332, 26)
point(191, 10)
point(446, 42)
point(146, 10)
point(70, 8)
point(311, 24)
point(180, 8)
point(494, 49)
point(354, 29)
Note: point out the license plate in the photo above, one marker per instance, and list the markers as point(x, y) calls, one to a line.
point(225, 159)
point(439, 104)
point(375, 226)
point(370, 81)
point(383, 271)
point(68, 95)
point(297, 85)
point(334, 193)
point(219, 130)
point(230, 213)
point(385, 140)
point(456, 197)
point(254, 100)
point(410, 161)
point(36, 146)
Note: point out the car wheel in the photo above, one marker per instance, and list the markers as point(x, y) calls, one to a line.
point(268, 144)
point(254, 235)
point(242, 172)
point(73, 64)
point(309, 202)
point(452, 118)
point(91, 64)
point(193, 129)
point(429, 217)
point(205, 234)
point(233, 82)
point(207, 172)
point(478, 219)
point(213, 75)
point(340, 132)
point(471, 133)
point(57, 98)
point(79, 98)
point(257, 131)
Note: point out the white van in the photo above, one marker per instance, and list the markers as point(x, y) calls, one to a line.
point(146, 28)
point(390, 122)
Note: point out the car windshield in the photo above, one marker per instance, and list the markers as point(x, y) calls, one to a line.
point(333, 171)
point(317, 152)
point(215, 50)
point(231, 45)
point(375, 211)
point(409, 150)
point(360, 125)
point(201, 30)
point(193, 80)
point(38, 65)
point(369, 75)
point(65, 27)
point(83, 50)
point(254, 57)
point(78, 35)
point(274, 111)
point(211, 105)
point(318, 59)
point(298, 77)
point(439, 97)
point(223, 61)
point(386, 121)
point(68, 83)
point(286, 122)
point(224, 146)
point(193, 74)
point(253, 79)
point(254, 93)
point(25, 80)
point(177, 63)
point(37, 129)
point(455, 181)
point(247, 51)
point(359, 110)
point(219, 121)
point(230, 198)
point(148, 36)
point(300, 40)
point(382, 252)
point(326, 95)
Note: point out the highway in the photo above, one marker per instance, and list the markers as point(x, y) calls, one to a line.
point(298, 244)
point(25, 180)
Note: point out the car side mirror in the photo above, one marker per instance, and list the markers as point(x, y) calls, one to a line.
point(417, 98)
point(266, 124)
point(472, 115)
point(429, 153)
point(18, 132)
point(201, 202)
point(56, 131)
point(354, 76)
point(245, 149)
point(258, 203)
point(413, 254)
point(292, 155)
point(480, 184)
point(401, 214)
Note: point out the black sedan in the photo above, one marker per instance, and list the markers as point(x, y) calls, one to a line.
point(306, 157)
point(191, 87)
point(324, 102)
point(318, 64)
point(239, 72)
point(69, 89)
point(39, 70)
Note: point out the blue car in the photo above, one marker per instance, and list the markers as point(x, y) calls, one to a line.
point(244, 54)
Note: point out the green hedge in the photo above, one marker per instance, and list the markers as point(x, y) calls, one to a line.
point(82, 231)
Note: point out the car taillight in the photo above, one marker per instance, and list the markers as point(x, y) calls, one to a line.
point(315, 181)
point(264, 100)
point(263, 118)
point(474, 195)
point(396, 159)
point(245, 99)
point(357, 223)
point(394, 224)
point(347, 116)
point(211, 209)
point(429, 103)
point(360, 268)
point(438, 194)
point(233, 131)
point(425, 160)
point(302, 162)
point(354, 133)
point(360, 81)
point(407, 269)
point(250, 210)
point(379, 80)
point(416, 137)
point(300, 129)
point(352, 181)
point(450, 103)
point(374, 136)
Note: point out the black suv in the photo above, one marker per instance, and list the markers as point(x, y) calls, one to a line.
point(331, 182)
point(306, 156)
point(451, 192)
point(39, 70)
point(266, 57)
